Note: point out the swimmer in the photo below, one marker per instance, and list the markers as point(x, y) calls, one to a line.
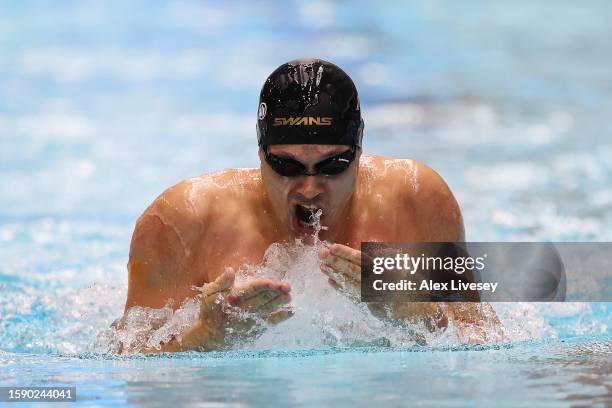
point(192, 238)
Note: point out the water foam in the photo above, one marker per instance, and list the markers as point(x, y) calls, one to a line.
point(323, 315)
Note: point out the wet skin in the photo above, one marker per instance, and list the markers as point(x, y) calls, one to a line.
point(190, 240)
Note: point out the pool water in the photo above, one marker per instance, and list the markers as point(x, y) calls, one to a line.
point(105, 104)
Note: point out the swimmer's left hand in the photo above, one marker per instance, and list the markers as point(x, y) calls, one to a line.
point(342, 265)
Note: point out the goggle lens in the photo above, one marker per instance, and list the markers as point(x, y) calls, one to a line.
point(290, 168)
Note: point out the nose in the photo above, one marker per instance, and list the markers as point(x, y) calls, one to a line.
point(310, 187)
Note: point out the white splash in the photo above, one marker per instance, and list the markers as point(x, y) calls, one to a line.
point(323, 316)
point(144, 326)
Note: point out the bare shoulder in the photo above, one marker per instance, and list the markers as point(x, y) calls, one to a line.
point(422, 192)
point(403, 179)
point(438, 207)
point(179, 207)
point(169, 230)
point(189, 205)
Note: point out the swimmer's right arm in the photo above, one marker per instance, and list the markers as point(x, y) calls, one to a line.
point(216, 329)
point(158, 272)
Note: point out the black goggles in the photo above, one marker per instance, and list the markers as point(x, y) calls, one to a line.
point(290, 168)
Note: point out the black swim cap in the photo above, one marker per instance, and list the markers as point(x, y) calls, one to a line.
point(309, 101)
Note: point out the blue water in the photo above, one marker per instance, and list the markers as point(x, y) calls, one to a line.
point(105, 104)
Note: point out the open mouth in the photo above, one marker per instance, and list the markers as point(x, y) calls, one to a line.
point(307, 215)
point(307, 219)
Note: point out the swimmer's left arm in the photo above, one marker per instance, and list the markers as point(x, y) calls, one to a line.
point(435, 207)
point(342, 265)
point(475, 322)
point(441, 221)
point(432, 203)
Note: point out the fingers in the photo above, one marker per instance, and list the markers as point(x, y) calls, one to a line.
point(223, 282)
point(255, 301)
point(273, 304)
point(261, 306)
point(253, 287)
point(263, 297)
point(280, 316)
point(257, 292)
point(333, 275)
point(333, 283)
point(347, 253)
point(271, 312)
point(339, 281)
point(340, 264)
point(224, 304)
point(212, 294)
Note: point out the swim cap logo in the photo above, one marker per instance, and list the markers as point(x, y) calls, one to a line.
point(303, 120)
point(263, 108)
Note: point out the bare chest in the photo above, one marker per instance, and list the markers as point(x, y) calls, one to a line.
point(244, 240)
point(380, 225)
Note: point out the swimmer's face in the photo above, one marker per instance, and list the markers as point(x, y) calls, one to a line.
point(291, 197)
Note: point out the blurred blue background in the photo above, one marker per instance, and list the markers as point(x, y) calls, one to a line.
point(106, 103)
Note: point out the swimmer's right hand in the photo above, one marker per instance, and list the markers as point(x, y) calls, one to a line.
point(232, 313)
